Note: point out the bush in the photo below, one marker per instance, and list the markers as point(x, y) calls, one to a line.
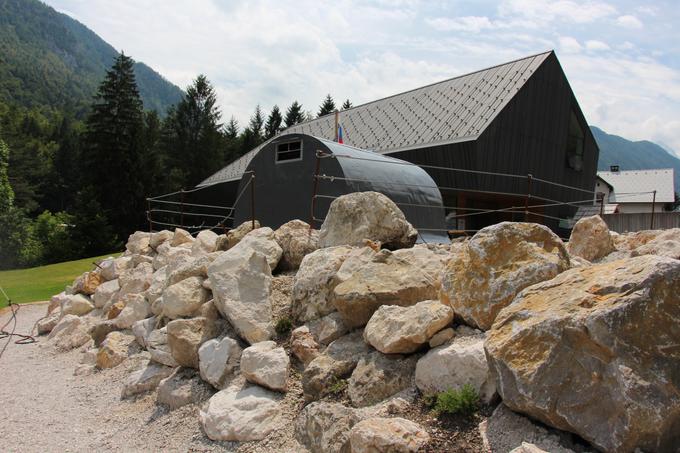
point(463, 401)
point(283, 326)
point(338, 386)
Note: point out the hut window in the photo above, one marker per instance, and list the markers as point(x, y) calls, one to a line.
point(575, 143)
point(290, 151)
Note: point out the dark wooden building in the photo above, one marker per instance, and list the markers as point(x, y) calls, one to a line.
point(479, 136)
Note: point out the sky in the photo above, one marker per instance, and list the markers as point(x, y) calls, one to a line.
point(622, 58)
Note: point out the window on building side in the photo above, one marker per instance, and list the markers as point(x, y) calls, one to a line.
point(290, 151)
point(575, 143)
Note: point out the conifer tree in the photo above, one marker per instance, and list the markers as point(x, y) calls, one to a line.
point(273, 125)
point(294, 114)
point(256, 122)
point(327, 106)
point(113, 158)
point(231, 129)
point(346, 105)
point(196, 141)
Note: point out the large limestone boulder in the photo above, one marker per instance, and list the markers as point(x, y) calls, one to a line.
point(328, 329)
point(158, 347)
point(138, 243)
point(303, 346)
point(114, 349)
point(46, 324)
point(402, 330)
point(591, 352)
point(261, 240)
point(136, 309)
point(183, 298)
point(160, 237)
point(184, 386)
point(145, 379)
point(297, 239)
point(189, 267)
point(76, 304)
point(70, 332)
point(217, 360)
point(181, 237)
point(590, 239)
point(112, 268)
point(357, 216)
point(156, 288)
point(225, 242)
point(136, 280)
point(206, 242)
point(87, 283)
point(385, 280)
point(105, 293)
point(101, 329)
point(324, 427)
point(142, 330)
point(496, 264)
point(241, 282)
point(267, 365)
point(185, 337)
point(337, 362)
point(56, 301)
point(451, 366)
point(170, 256)
point(666, 243)
point(313, 283)
point(377, 377)
point(387, 435)
point(241, 415)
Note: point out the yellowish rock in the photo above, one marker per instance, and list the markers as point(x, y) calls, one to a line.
point(595, 351)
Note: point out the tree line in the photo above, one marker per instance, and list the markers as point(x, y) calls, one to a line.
point(73, 187)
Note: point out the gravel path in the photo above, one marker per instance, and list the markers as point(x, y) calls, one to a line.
point(45, 408)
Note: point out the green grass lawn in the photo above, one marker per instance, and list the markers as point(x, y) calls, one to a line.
point(40, 283)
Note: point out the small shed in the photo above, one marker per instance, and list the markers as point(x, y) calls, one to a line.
point(285, 186)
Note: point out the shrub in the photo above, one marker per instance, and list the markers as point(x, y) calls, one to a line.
point(283, 326)
point(462, 401)
point(338, 386)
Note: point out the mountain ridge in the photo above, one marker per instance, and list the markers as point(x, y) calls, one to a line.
point(47, 58)
point(633, 155)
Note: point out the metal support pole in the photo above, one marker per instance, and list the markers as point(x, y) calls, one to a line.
point(601, 196)
point(181, 206)
point(316, 187)
point(653, 202)
point(526, 200)
point(148, 214)
point(252, 200)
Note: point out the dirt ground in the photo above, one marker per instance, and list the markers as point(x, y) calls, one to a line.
point(44, 407)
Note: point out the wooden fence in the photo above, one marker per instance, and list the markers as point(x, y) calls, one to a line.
point(622, 223)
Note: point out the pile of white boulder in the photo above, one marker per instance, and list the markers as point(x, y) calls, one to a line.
point(582, 337)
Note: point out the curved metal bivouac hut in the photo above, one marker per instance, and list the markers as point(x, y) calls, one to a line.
point(285, 186)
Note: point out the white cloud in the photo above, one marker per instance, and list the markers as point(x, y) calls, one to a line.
point(629, 21)
point(473, 24)
point(569, 45)
point(272, 52)
point(551, 10)
point(595, 45)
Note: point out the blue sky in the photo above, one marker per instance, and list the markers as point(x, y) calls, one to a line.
point(622, 58)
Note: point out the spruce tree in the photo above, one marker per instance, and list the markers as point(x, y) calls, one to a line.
point(196, 142)
point(346, 105)
point(273, 125)
point(113, 161)
point(256, 122)
point(327, 106)
point(231, 129)
point(294, 115)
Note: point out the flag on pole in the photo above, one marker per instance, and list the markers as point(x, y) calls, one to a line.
point(340, 134)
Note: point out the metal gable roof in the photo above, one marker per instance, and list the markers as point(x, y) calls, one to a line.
point(635, 186)
point(457, 109)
